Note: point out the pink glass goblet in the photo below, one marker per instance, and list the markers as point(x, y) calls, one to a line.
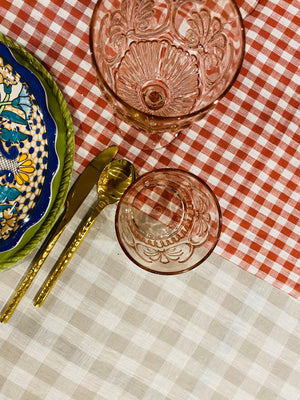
point(163, 64)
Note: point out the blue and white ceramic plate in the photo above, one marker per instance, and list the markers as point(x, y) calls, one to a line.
point(36, 152)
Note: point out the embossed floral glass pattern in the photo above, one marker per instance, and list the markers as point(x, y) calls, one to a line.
point(168, 221)
point(163, 64)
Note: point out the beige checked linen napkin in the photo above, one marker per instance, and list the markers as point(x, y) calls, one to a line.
point(111, 331)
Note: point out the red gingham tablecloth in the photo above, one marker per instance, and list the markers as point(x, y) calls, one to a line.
point(247, 149)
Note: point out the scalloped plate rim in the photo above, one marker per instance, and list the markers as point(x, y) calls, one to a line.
point(40, 94)
point(61, 181)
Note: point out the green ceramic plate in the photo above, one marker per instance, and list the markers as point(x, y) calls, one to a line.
point(36, 152)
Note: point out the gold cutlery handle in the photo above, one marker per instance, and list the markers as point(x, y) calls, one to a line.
point(27, 280)
point(67, 255)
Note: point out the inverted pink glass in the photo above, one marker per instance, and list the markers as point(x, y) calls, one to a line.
point(163, 64)
point(168, 221)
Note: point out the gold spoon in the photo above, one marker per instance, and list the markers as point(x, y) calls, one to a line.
point(112, 183)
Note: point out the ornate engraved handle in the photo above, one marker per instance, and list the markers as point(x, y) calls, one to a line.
point(27, 280)
point(68, 254)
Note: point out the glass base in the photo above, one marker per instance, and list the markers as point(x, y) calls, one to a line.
point(142, 139)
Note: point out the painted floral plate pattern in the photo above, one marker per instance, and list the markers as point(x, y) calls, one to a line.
point(35, 161)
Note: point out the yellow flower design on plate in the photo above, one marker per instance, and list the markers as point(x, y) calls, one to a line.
point(8, 223)
point(25, 168)
point(6, 74)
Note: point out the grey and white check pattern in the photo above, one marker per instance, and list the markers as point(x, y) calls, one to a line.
point(111, 331)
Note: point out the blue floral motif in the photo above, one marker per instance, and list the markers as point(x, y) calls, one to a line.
point(13, 135)
point(8, 193)
point(21, 102)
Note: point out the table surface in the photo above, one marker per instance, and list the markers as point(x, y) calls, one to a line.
point(246, 149)
point(226, 330)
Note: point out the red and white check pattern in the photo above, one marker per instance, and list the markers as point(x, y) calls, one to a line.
point(247, 149)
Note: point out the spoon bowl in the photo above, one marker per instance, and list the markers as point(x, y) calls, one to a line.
point(113, 181)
